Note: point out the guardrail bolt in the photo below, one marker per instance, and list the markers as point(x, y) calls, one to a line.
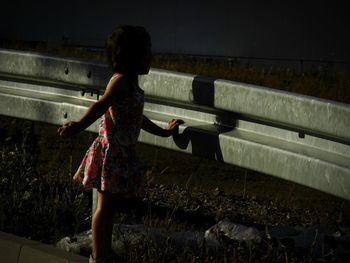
point(65, 115)
point(89, 74)
point(301, 135)
point(66, 71)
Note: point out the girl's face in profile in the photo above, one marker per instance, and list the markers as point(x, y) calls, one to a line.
point(145, 61)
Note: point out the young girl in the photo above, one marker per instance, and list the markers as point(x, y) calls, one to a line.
point(110, 164)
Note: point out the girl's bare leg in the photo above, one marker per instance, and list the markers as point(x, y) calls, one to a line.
point(102, 224)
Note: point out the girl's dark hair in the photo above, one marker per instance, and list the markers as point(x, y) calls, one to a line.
point(126, 47)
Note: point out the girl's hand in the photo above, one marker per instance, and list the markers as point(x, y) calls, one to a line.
point(173, 126)
point(68, 129)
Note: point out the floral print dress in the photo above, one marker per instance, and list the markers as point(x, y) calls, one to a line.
point(110, 164)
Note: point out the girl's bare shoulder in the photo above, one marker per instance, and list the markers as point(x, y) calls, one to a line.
point(118, 86)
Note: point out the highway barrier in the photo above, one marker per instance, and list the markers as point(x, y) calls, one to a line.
point(299, 138)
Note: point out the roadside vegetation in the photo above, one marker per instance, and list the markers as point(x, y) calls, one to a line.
point(36, 188)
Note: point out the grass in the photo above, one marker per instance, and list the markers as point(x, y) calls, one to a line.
point(267, 251)
point(35, 187)
point(42, 196)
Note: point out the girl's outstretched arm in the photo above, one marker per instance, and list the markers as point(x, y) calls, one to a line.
point(116, 88)
point(153, 128)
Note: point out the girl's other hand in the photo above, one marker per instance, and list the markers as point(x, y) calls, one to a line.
point(173, 126)
point(68, 129)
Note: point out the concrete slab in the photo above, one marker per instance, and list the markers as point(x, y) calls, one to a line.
point(14, 249)
point(10, 247)
point(43, 253)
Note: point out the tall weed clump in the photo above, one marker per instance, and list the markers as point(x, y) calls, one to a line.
point(36, 205)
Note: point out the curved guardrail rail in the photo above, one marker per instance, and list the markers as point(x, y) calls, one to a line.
point(298, 138)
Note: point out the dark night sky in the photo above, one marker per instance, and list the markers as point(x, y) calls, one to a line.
point(275, 29)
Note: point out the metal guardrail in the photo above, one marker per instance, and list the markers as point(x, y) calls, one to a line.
point(298, 138)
